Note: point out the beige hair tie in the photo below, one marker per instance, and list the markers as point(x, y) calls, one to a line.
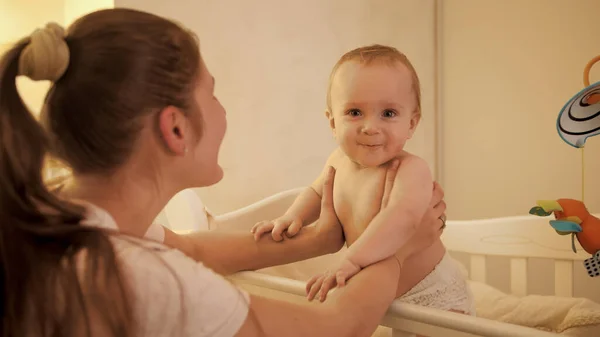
point(46, 57)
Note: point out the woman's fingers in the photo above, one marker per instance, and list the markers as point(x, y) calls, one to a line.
point(327, 196)
point(438, 194)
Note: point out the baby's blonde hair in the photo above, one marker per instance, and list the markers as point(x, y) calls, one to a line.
point(377, 53)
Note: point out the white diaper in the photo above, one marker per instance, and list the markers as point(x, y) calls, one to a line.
point(444, 288)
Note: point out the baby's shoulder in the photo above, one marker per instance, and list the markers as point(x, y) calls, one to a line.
point(405, 155)
point(414, 168)
point(407, 158)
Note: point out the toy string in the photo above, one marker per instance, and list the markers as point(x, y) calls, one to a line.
point(586, 70)
point(586, 83)
point(582, 174)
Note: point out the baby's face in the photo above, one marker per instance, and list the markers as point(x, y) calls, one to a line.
point(373, 111)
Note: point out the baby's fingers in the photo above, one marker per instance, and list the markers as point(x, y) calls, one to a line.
point(277, 232)
point(264, 227)
point(328, 283)
point(314, 288)
point(310, 282)
point(256, 226)
point(340, 278)
point(294, 228)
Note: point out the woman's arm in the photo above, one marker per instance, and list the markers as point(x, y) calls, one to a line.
point(229, 252)
point(304, 210)
point(355, 310)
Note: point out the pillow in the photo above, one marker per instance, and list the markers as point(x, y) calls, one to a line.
point(463, 270)
point(185, 212)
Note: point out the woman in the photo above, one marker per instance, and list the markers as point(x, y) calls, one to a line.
point(132, 112)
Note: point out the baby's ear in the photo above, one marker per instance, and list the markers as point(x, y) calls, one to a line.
point(414, 121)
point(329, 116)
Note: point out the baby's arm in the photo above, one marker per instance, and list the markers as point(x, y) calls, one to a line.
point(304, 211)
point(395, 225)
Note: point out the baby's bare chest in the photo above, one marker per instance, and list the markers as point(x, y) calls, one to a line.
point(357, 196)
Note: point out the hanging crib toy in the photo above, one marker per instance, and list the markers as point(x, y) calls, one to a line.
point(578, 120)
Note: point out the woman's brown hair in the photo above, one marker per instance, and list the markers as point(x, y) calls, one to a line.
point(111, 68)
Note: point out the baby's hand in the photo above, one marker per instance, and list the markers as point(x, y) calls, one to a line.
point(321, 284)
point(291, 225)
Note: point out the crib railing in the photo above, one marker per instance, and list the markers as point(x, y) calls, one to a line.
point(405, 319)
point(517, 238)
point(563, 275)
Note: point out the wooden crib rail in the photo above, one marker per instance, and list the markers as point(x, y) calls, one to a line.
point(518, 238)
point(407, 319)
point(265, 209)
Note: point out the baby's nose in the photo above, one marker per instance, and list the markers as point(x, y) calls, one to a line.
point(370, 128)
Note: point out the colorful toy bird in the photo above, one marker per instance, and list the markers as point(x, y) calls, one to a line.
point(572, 217)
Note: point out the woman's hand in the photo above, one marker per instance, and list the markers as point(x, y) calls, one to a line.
point(434, 220)
point(431, 228)
point(328, 226)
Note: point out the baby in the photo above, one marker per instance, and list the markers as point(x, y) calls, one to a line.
point(373, 108)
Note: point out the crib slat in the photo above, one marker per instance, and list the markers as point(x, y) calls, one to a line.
point(518, 276)
point(563, 278)
point(477, 272)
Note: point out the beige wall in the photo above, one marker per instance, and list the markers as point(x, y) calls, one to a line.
point(271, 60)
point(18, 19)
point(502, 86)
point(73, 9)
point(508, 68)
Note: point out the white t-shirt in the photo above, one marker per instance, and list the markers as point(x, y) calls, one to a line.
point(175, 295)
point(155, 232)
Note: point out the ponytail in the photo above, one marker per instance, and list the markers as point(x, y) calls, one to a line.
point(23, 149)
point(56, 276)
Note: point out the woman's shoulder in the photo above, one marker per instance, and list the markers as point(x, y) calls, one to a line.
point(177, 295)
point(173, 295)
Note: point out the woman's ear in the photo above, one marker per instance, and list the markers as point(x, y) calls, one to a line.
point(173, 125)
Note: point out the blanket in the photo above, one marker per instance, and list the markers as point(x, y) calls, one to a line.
point(565, 315)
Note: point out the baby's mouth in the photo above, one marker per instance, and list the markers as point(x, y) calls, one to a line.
point(370, 146)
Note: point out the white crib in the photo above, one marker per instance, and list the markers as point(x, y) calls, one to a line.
point(517, 239)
